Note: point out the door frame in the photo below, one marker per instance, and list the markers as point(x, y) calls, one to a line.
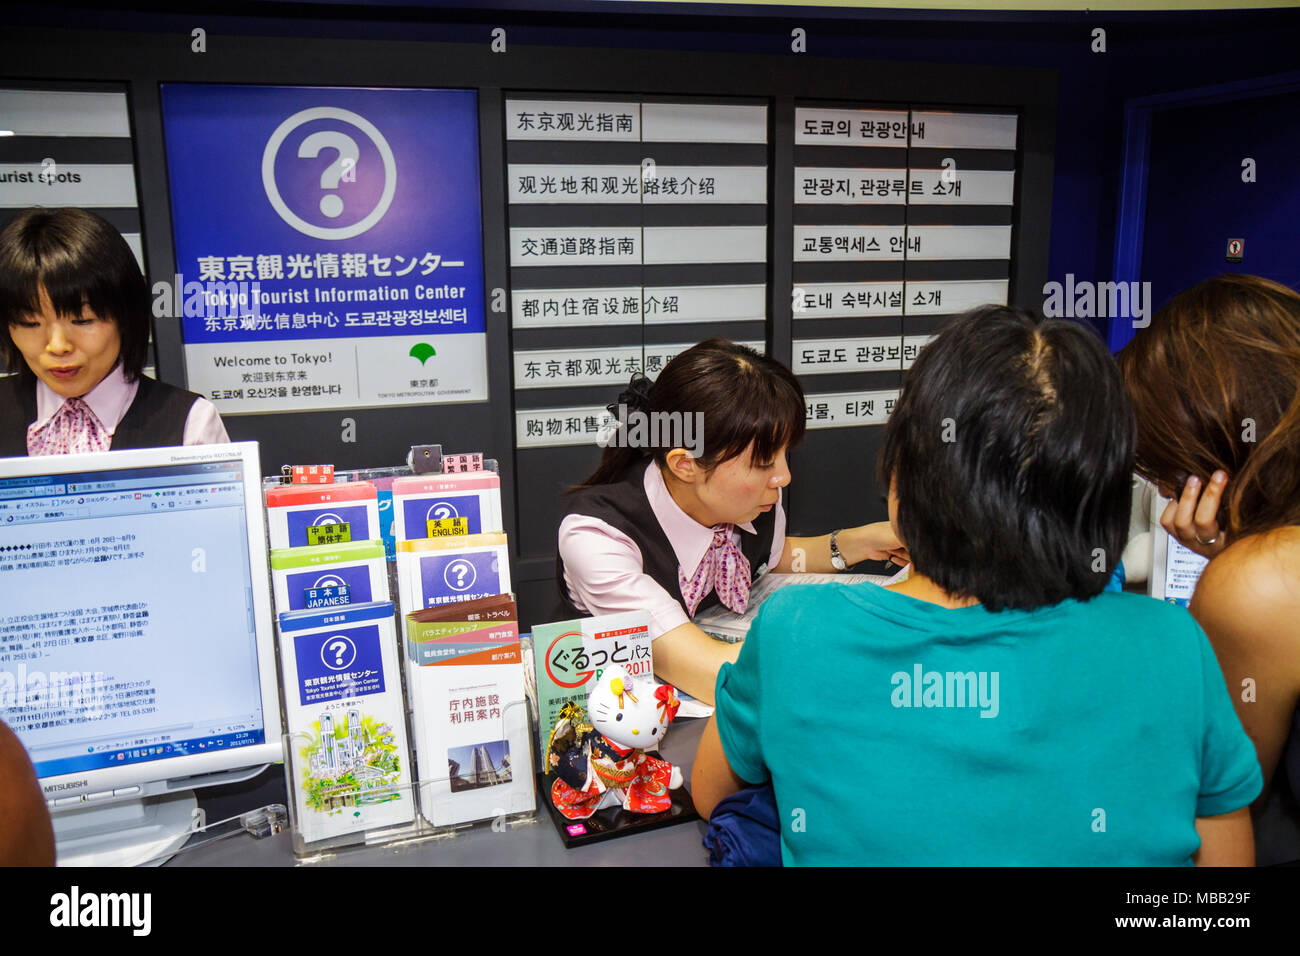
point(1130, 219)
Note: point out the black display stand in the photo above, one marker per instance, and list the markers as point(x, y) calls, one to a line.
point(613, 821)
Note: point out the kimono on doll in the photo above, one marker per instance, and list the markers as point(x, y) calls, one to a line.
point(603, 764)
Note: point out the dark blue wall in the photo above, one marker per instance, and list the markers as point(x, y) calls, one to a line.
point(1146, 53)
point(1195, 164)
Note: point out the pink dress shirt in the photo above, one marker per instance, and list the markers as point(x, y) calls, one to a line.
point(111, 398)
point(605, 573)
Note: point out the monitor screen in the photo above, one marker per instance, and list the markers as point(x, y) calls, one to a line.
point(135, 631)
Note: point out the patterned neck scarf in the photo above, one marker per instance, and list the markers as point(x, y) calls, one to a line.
point(73, 428)
point(723, 567)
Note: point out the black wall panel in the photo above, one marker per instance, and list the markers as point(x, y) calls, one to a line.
point(834, 474)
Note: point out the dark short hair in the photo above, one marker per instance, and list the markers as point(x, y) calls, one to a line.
point(1011, 452)
point(745, 398)
point(78, 258)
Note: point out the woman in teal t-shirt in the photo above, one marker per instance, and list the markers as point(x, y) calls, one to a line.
point(996, 707)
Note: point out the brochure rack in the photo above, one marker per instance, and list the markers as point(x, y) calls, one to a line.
point(343, 784)
point(430, 796)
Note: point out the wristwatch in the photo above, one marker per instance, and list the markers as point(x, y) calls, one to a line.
point(837, 559)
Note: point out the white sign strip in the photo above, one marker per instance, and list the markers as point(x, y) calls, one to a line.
point(573, 120)
point(842, 186)
point(912, 345)
point(706, 184)
point(630, 305)
point(531, 183)
point(562, 368)
point(826, 300)
point(575, 245)
point(962, 187)
point(872, 354)
point(605, 365)
point(63, 113)
point(683, 244)
point(703, 123)
point(285, 376)
point(549, 427)
point(704, 303)
point(96, 186)
point(963, 130)
point(848, 409)
point(572, 183)
point(954, 295)
point(835, 127)
point(959, 242)
point(549, 308)
point(848, 243)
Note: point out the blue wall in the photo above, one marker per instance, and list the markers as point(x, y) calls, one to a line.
point(1146, 53)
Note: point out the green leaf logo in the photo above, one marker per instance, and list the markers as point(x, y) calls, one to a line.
point(423, 351)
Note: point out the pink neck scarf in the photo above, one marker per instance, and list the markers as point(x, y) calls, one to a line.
point(723, 567)
point(73, 428)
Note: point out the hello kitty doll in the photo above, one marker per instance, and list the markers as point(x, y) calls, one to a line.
point(605, 764)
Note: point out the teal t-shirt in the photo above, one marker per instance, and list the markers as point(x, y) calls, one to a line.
point(898, 732)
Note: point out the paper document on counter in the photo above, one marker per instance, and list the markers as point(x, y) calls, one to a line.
point(726, 625)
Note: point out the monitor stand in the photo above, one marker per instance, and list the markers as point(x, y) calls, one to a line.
point(145, 831)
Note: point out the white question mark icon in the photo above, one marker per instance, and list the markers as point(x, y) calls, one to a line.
point(459, 575)
point(338, 648)
point(331, 205)
point(442, 512)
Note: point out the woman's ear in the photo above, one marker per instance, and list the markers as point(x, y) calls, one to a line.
point(683, 466)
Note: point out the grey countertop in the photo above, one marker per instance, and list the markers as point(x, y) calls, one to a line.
point(527, 843)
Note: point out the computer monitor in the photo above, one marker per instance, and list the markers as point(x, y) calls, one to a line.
point(137, 656)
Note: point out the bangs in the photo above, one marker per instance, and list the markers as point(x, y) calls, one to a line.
point(20, 293)
point(773, 419)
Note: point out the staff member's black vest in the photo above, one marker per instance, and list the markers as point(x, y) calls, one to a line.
point(624, 505)
point(155, 419)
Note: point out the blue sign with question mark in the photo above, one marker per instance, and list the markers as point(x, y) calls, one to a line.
point(360, 194)
point(354, 516)
point(345, 662)
point(459, 576)
point(417, 512)
point(329, 246)
point(356, 579)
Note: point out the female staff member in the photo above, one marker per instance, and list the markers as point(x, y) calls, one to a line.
point(77, 311)
point(1215, 384)
point(676, 529)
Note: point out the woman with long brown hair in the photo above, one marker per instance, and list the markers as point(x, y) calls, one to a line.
point(685, 512)
point(1215, 384)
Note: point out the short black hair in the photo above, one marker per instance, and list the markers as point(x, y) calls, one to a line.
point(77, 257)
point(1011, 451)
